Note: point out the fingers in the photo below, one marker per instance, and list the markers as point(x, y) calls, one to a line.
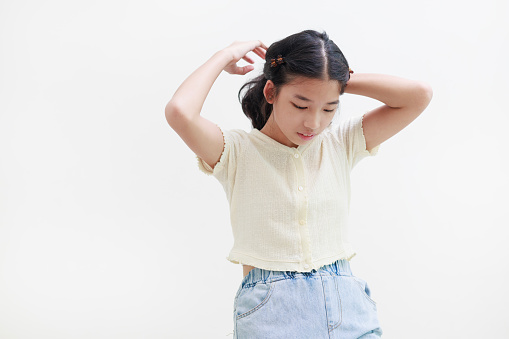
point(255, 46)
point(259, 48)
point(248, 59)
point(241, 70)
point(263, 45)
point(245, 69)
point(260, 52)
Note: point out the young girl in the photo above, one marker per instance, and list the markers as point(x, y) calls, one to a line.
point(288, 180)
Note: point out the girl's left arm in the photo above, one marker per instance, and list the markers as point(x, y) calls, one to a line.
point(404, 101)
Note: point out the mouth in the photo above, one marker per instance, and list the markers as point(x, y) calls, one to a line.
point(305, 136)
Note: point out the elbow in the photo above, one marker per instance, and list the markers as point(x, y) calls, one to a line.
point(171, 112)
point(423, 95)
point(168, 113)
point(427, 92)
point(175, 116)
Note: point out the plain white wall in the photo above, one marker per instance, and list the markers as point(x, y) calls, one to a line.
point(108, 229)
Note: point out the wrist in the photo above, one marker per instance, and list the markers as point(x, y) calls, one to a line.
point(224, 55)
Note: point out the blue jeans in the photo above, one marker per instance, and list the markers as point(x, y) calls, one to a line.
point(328, 303)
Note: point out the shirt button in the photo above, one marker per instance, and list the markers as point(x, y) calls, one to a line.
point(296, 155)
point(306, 266)
point(301, 188)
point(302, 222)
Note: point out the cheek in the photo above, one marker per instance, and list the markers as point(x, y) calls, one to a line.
point(287, 117)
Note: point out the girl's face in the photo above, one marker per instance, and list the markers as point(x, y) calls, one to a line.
point(304, 106)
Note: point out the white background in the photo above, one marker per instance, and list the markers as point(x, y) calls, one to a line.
point(109, 230)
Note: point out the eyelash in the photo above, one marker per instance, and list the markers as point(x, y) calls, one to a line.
point(326, 110)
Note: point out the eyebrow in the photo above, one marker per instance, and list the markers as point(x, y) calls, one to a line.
point(298, 96)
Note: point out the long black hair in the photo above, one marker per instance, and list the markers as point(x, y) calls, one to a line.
point(308, 53)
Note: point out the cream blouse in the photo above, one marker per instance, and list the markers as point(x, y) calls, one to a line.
point(289, 206)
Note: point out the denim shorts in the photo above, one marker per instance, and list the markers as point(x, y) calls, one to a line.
point(328, 303)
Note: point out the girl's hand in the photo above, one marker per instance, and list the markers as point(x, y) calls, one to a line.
point(238, 50)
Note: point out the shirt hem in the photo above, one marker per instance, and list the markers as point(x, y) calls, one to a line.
point(297, 266)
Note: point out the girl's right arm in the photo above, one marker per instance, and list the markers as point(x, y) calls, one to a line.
point(182, 112)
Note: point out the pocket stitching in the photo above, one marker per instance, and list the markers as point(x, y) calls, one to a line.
point(265, 300)
point(331, 328)
point(364, 291)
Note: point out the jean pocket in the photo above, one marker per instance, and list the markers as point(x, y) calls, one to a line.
point(251, 299)
point(363, 286)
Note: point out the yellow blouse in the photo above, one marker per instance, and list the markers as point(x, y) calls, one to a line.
point(289, 206)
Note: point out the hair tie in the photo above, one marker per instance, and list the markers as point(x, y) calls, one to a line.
point(350, 72)
point(277, 61)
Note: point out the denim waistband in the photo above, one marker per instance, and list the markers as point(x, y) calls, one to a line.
point(256, 275)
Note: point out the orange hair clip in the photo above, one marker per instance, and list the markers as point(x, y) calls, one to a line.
point(277, 61)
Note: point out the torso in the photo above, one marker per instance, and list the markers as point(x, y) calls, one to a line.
point(247, 268)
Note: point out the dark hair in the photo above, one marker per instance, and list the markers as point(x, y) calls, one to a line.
point(310, 54)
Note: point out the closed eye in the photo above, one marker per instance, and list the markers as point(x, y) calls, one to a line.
point(326, 110)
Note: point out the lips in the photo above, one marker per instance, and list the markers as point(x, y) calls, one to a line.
point(305, 137)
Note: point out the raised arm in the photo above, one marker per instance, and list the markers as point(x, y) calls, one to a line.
point(182, 112)
point(404, 101)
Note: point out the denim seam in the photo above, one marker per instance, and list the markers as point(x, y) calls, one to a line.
point(364, 292)
point(269, 294)
point(325, 301)
point(340, 308)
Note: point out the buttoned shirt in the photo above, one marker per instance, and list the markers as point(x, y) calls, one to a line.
point(289, 206)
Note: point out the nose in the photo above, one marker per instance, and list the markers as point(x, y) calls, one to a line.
point(312, 121)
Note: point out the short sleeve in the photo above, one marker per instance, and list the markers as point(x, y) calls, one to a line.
point(223, 159)
point(351, 134)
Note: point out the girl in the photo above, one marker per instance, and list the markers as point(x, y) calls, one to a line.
point(288, 180)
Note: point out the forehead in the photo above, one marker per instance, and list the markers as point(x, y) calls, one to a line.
point(314, 89)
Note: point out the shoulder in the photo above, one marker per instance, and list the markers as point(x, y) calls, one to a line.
point(332, 132)
point(345, 127)
point(236, 140)
point(235, 136)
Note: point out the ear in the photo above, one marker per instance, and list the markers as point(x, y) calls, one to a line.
point(268, 91)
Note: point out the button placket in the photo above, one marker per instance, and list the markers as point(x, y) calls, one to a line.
point(302, 208)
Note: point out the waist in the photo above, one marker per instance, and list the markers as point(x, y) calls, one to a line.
point(256, 274)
